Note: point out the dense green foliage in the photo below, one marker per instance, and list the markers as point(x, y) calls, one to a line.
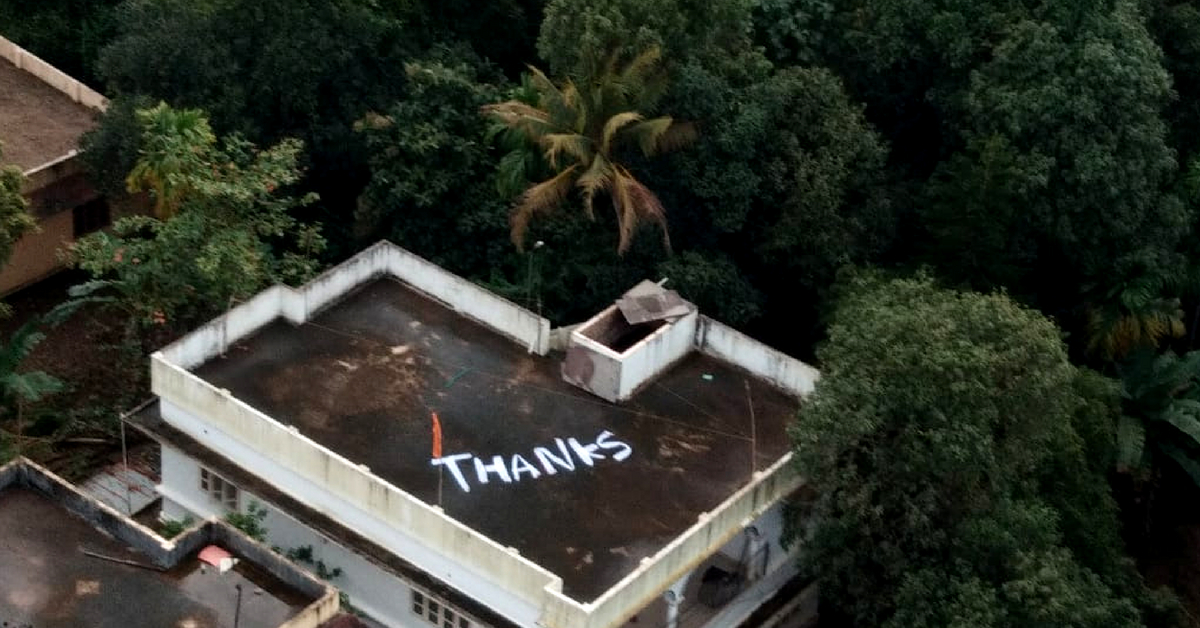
point(964, 447)
point(15, 220)
point(944, 445)
point(66, 33)
point(226, 228)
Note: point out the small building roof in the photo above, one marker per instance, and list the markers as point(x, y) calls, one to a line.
point(38, 122)
point(62, 570)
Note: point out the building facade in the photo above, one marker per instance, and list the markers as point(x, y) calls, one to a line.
point(43, 113)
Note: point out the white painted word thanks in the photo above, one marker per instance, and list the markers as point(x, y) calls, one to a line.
point(551, 461)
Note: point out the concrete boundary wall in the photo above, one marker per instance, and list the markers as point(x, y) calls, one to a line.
point(382, 259)
point(165, 553)
point(52, 76)
point(785, 372)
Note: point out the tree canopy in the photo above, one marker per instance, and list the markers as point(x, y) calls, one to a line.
point(1024, 172)
point(934, 441)
point(230, 230)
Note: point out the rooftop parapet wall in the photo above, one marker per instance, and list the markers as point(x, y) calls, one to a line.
point(165, 553)
point(728, 344)
point(62, 166)
point(298, 305)
point(712, 531)
point(51, 75)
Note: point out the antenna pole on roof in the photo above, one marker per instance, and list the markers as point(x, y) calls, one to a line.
point(125, 461)
point(753, 431)
point(440, 474)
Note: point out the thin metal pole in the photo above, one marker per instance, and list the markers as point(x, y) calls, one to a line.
point(441, 472)
point(237, 610)
point(125, 461)
point(753, 431)
point(529, 280)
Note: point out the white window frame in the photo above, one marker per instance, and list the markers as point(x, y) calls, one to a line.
point(437, 612)
point(219, 489)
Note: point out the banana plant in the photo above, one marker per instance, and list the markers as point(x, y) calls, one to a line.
point(1160, 420)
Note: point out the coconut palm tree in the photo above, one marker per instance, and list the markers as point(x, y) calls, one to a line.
point(176, 143)
point(581, 128)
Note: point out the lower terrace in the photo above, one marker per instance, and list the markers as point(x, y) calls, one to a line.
point(583, 487)
point(58, 570)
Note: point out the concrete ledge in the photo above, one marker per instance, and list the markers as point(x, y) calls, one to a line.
point(383, 258)
point(52, 76)
point(785, 372)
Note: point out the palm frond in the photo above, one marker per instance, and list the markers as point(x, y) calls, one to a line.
point(641, 69)
point(598, 176)
point(626, 213)
point(542, 83)
point(571, 144)
point(678, 135)
point(642, 81)
point(20, 344)
point(540, 198)
point(524, 118)
point(649, 206)
point(31, 386)
point(614, 125)
point(572, 113)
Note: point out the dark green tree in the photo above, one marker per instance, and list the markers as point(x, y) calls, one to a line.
point(943, 445)
point(432, 187)
point(15, 220)
point(270, 70)
point(578, 35)
point(1031, 133)
point(68, 34)
point(230, 233)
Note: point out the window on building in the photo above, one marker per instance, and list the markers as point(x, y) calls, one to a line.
point(219, 489)
point(437, 612)
point(91, 216)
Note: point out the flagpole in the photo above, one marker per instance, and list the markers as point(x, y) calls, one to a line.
point(437, 452)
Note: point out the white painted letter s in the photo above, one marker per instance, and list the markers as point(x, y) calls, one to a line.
point(603, 442)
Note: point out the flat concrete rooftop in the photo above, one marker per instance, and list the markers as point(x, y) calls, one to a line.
point(38, 123)
point(46, 580)
point(362, 378)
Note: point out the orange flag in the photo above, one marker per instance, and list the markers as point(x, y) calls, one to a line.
point(437, 436)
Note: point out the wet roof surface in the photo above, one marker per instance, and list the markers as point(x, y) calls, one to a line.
point(38, 123)
point(363, 377)
point(47, 582)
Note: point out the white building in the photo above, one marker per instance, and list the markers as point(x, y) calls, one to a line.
point(633, 474)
